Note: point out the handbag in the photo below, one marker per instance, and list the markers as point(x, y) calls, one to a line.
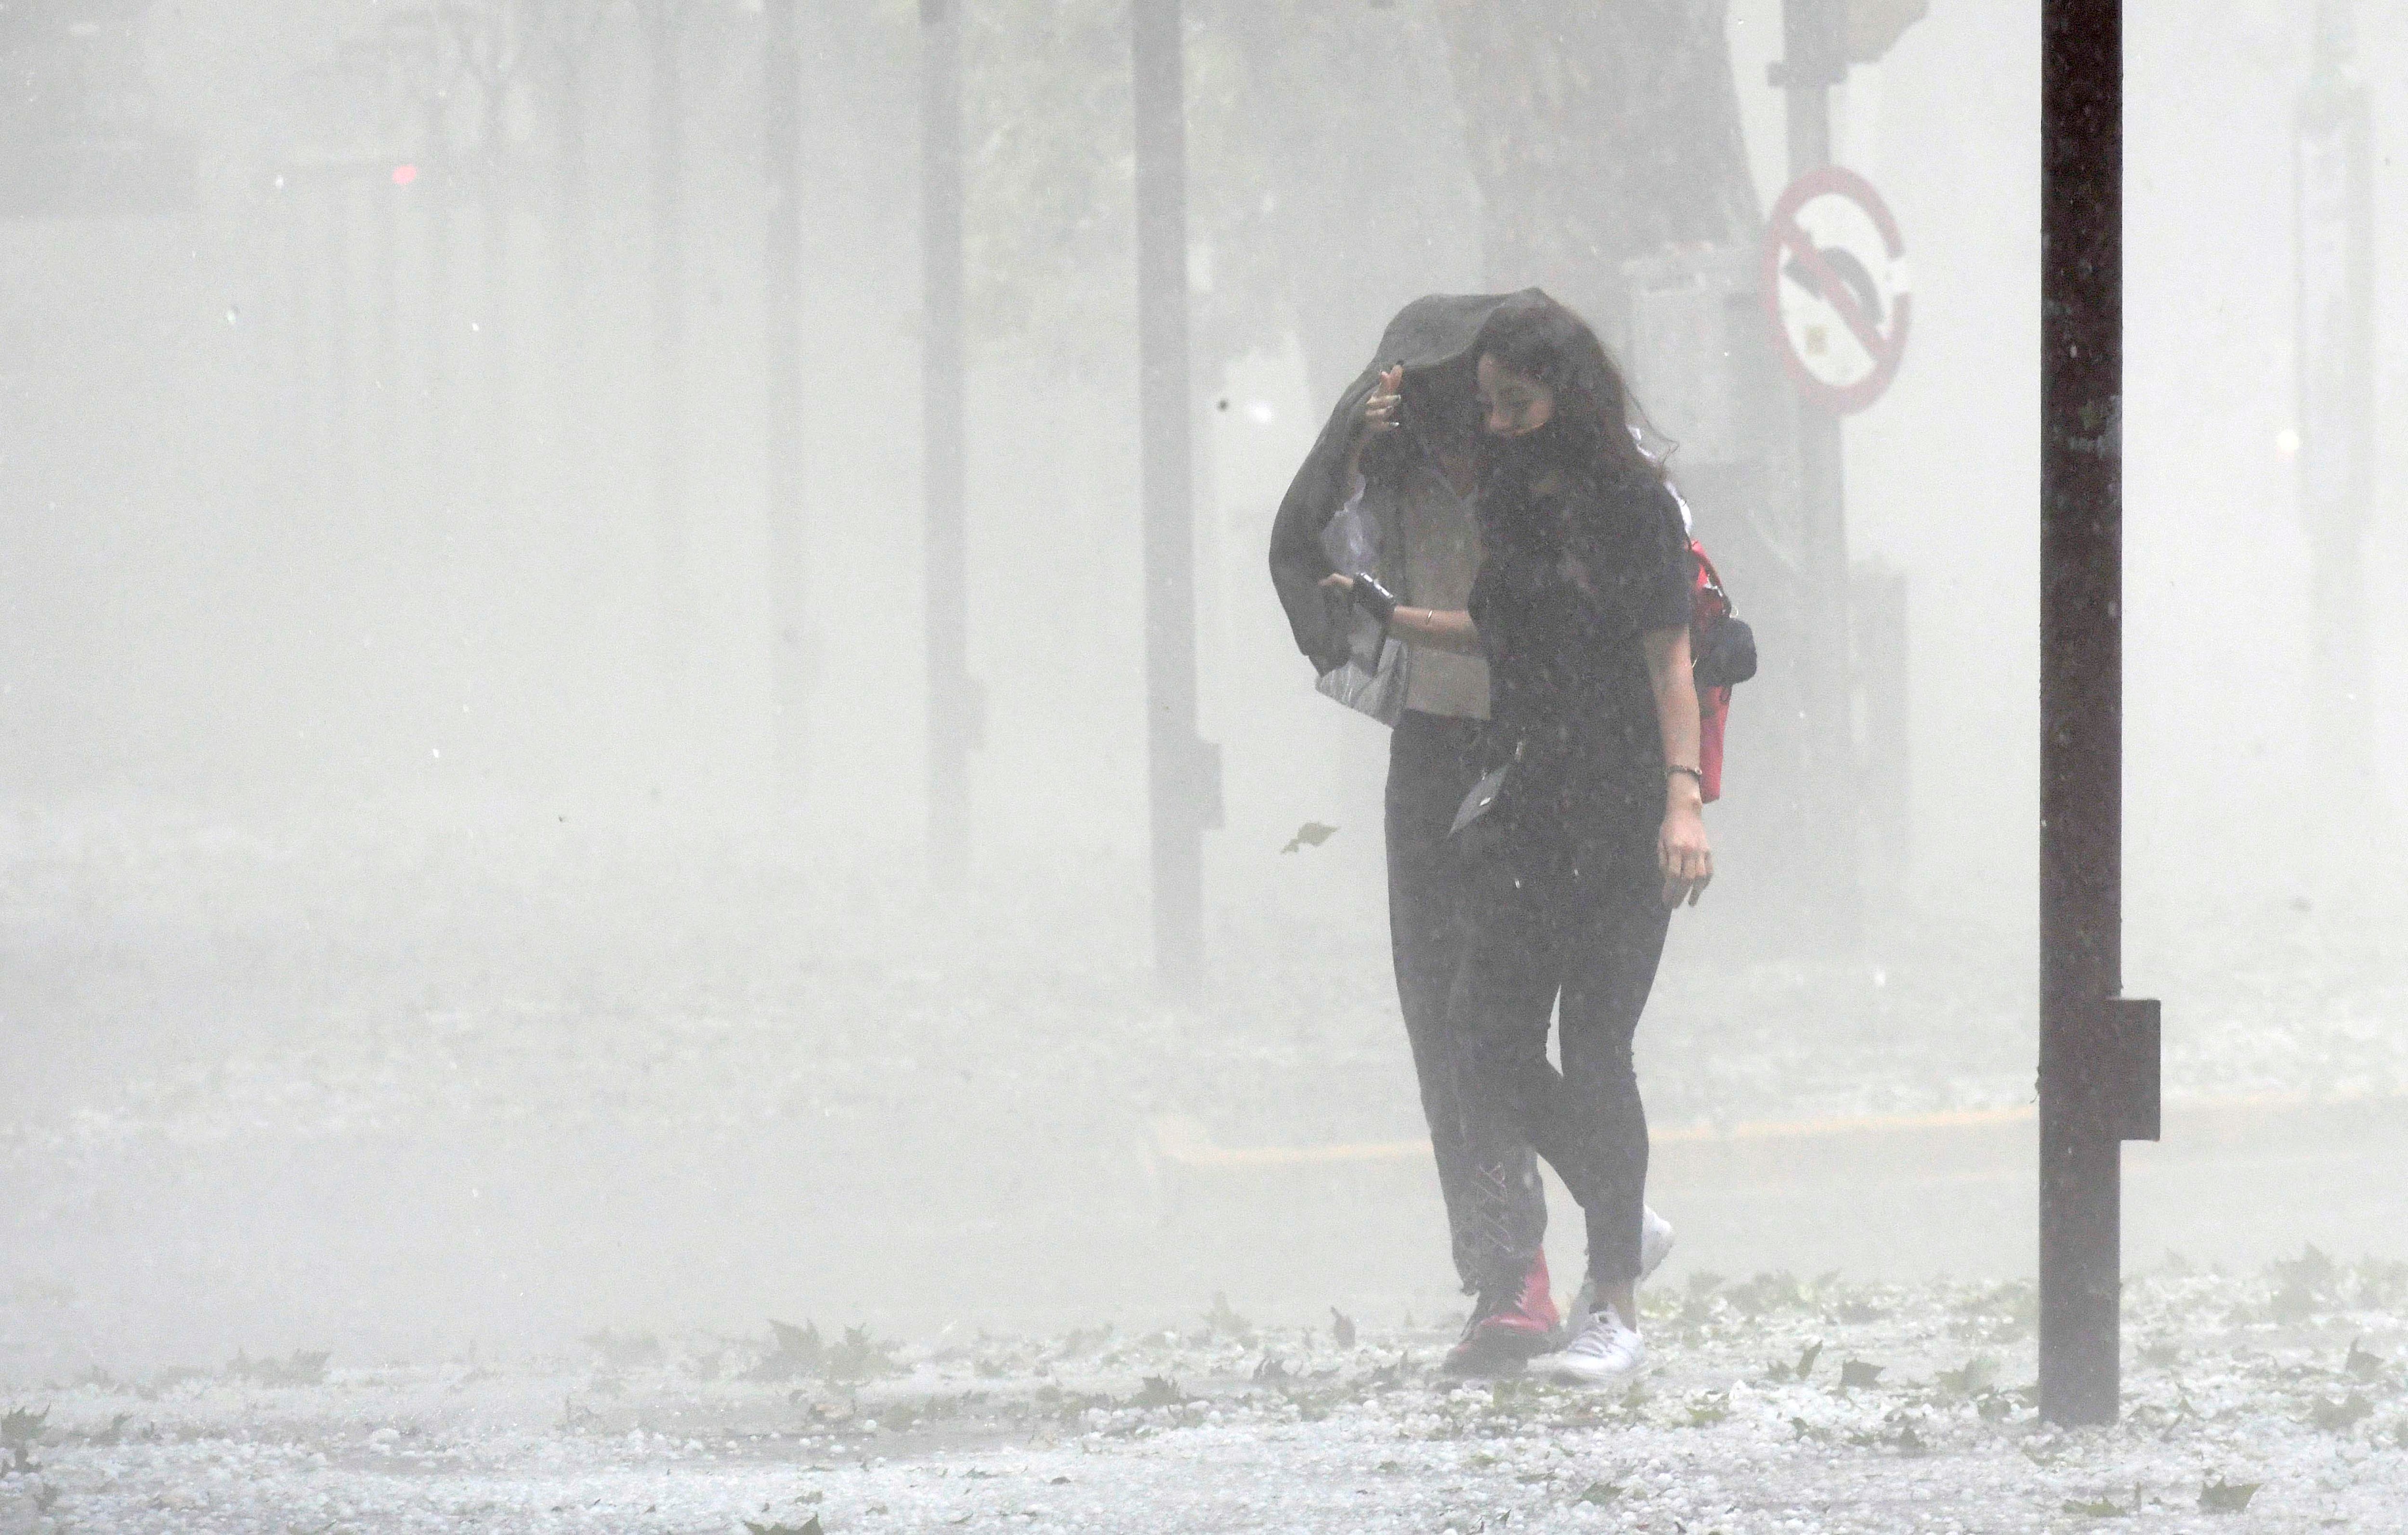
point(1372, 679)
point(1376, 688)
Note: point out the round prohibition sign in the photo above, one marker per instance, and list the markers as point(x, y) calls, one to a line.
point(1836, 288)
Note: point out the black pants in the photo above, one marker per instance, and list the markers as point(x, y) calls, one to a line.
point(1579, 921)
point(1432, 885)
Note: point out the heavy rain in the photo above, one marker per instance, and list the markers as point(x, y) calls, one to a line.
point(802, 766)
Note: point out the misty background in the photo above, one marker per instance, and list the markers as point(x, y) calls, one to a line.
point(390, 802)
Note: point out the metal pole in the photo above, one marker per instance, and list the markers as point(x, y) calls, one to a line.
point(2335, 342)
point(573, 438)
point(954, 726)
point(341, 457)
point(493, 302)
point(301, 384)
point(1183, 790)
point(1815, 43)
point(385, 302)
point(667, 124)
point(782, 306)
point(2098, 1052)
point(435, 177)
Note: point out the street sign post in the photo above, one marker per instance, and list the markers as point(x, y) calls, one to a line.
point(1837, 289)
point(2333, 217)
point(2098, 1050)
point(956, 710)
point(1183, 790)
point(1810, 300)
point(782, 300)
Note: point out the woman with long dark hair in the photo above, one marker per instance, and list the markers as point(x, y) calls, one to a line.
point(1582, 610)
point(1595, 831)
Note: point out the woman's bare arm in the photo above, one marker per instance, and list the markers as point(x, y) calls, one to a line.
point(1430, 628)
point(1687, 860)
point(1437, 629)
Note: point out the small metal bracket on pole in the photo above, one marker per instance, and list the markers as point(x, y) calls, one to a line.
point(2136, 1029)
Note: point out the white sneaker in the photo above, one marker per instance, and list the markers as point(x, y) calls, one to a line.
point(1603, 1351)
point(1654, 1247)
point(1655, 1242)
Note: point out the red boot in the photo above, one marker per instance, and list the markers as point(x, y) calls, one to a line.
point(1504, 1332)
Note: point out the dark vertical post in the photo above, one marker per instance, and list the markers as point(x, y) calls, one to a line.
point(301, 385)
point(435, 178)
point(1179, 775)
point(572, 395)
point(1879, 639)
point(384, 299)
point(1815, 43)
point(667, 132)
point(2335, 342)
point(781, 108)
point(2082, 1076)
point(953, 723)
point(494, 297)
point(342, 458)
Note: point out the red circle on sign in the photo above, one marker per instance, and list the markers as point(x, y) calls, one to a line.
point(1886, 347)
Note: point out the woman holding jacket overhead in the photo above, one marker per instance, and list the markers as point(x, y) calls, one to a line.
point(1593, 829)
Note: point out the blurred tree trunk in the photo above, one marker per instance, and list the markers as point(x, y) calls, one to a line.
point(664, 39)
point(1597, 133)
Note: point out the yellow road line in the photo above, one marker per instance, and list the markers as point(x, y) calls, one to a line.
point(1185, 1143)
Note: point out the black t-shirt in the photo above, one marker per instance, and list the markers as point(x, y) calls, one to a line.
point(1574, 573)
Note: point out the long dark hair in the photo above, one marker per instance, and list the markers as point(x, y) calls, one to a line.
point(1589, 436)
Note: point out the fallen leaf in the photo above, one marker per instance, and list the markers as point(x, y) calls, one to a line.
point(1341, 1326)
point(2226, 1497)
point(1856, 1373)
point(1975, 1376)
point(1158, 1391)
point(2363, 1365)
point(1310, 834)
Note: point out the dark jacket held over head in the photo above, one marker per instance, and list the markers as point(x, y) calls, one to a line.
point(1427, 333)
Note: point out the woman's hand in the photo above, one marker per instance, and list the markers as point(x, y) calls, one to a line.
point(1681, 847)
point(1365, 591)
point(1384, 411)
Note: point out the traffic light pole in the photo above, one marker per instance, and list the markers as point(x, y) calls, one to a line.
point(2098, 1052)
point(663, 25)
point(782, 317)
point(955, 705)
point(1815, 45)
point(1183, 773)
point(2335, 342)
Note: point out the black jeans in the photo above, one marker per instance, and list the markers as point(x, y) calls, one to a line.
point(1579, 920)
point(1432, 885)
